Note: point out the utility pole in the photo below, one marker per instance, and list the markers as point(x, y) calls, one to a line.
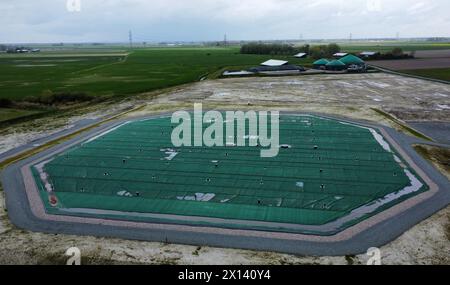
point(130, 37)
point(351, 37)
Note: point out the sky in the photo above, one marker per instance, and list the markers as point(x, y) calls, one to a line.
point(45, 21)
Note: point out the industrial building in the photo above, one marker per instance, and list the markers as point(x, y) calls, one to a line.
point(369, 54)
point(321, 63)
point(301, 55)
point(354, 63)
point(276, 66)
point(335, 65)
point(349, 62)
point(340, 54)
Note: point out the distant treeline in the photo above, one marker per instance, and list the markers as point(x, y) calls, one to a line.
point(396, 53)
point(50, 98)
point(285, 49)
point(324, 51)
point(273, 49)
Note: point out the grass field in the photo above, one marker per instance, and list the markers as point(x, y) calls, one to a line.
point(390, 45)
point(108, 70)
point(111, 74)
point(9, 114)
point(30, 76)
point(329, 170)
point(437, 73)
point(114, 71)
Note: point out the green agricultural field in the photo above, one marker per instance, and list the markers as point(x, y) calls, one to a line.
point(115, 74)
point(10, 114)
point(390, 45)
point(23, 76)
point(438, 73)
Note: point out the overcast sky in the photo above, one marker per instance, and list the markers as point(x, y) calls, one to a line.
point(207, 20)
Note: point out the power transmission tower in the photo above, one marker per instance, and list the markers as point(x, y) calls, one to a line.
point(225, 40)
point(130, 37)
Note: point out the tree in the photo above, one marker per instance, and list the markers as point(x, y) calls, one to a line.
point(333, 48)
point(317, 52)
point(272, 49)
point(322, 51)
point(397, 52)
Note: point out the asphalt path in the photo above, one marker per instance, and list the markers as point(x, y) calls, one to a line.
point(438, 131)
point(41, 141)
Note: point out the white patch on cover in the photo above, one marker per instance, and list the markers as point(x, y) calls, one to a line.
point(200, 197)
point(379, 138)
point(279, 202)
point(285, 146)
point(415, 185)
point(307, 122)
point(124, 194)
point(170, 152)
point(44, 176)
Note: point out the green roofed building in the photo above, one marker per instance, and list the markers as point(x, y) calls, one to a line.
point(336, 65)
point(320, 64)
point(351, 59)
point(354, 63)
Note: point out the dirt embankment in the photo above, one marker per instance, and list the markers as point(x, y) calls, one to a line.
point(408, 98)
point(438, 156)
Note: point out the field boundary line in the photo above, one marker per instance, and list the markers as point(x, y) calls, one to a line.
point(386, 70)
point(125, 58)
